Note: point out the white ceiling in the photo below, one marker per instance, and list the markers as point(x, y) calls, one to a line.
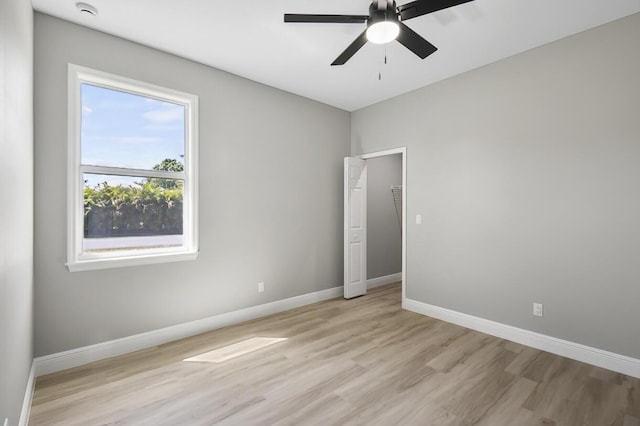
point(250, 39)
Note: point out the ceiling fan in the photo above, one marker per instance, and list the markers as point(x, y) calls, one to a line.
point(384, 24)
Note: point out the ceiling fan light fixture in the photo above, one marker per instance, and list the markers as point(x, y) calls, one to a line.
point(383, 32)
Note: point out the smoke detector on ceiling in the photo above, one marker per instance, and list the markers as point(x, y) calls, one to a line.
point(87, 9)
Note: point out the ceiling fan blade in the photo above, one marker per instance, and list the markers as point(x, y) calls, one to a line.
point(422, 7)
point(337, 19)
point(351, 50)
point(412, 41)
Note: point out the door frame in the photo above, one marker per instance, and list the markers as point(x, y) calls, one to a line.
point(403, 151)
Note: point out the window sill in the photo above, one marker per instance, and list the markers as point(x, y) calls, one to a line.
point(121, 262)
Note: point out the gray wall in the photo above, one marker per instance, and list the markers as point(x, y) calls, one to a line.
point(526, 173)
point(270, 198)
point(16, 214)
point(384, 236)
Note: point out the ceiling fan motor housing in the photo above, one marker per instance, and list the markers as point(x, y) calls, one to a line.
point(385, 13)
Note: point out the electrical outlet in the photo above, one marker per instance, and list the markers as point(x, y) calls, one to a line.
point(418, 219)
point(537, 309)
point(260, 287)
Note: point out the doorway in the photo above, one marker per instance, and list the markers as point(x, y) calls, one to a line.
point(355, 223)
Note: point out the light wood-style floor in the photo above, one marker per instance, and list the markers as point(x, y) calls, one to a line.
point(363, 361)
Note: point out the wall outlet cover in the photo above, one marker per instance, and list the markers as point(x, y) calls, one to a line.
point(537, 309)
point(260, 287)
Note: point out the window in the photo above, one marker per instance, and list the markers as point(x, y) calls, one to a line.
point(132, 172)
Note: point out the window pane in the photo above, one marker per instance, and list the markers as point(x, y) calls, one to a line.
point(121, 129)
point(126, 212)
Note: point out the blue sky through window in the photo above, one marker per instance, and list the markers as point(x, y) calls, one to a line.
point(121, 129)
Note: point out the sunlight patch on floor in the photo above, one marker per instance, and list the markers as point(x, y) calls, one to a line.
point(235, 350)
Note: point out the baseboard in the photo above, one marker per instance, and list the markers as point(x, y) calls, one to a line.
point(594, 356)
point(28, 397)
point(387, 279)
point(84, 355)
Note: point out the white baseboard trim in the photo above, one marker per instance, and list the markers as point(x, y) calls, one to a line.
point(84, 355)
point(387, 279)
point(594, 356)
point(28, 397)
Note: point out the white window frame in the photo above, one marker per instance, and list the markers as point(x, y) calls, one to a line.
point(77, 260)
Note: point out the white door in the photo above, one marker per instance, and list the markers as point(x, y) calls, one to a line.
point(355, 227)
